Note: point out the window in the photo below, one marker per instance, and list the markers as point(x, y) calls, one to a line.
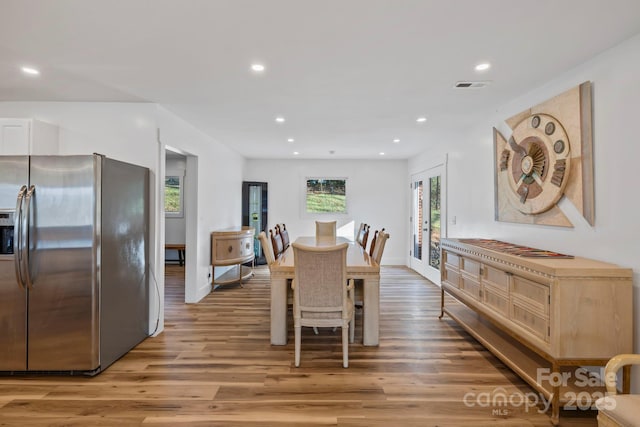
point(173, 196)
point(326, 195)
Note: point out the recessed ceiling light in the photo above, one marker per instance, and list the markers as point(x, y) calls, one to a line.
point(395, 141)
point(257, 67)
point(290, 140)
point(31, 71)
point(295, 153)
point(421, 119)
point(381, 153)
point(280, 119)
point(483, 66)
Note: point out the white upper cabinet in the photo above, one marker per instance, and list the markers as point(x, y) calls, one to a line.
point(28, 136)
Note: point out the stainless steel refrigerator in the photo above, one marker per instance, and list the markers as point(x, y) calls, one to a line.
point(73, 262)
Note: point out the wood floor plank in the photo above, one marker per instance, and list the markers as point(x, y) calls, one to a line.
point(213, 365)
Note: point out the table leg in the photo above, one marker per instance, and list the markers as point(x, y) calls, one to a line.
point(278, 311)
point(371, 311)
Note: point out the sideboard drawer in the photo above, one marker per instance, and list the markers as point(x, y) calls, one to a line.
point(530, 320)
point(531, 294)
point(471, 267)
point(470, 286)
point(497, 278)
point(231, 247)
point(452, 277)
point(451, 261)
point(495, 299)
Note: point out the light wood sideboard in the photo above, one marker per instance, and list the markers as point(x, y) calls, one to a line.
point(545, 318)
point(232, 247)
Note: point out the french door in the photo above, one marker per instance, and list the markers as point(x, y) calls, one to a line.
point(428, 223)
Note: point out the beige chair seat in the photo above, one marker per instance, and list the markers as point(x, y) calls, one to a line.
point(328, 315)
point(619, 410)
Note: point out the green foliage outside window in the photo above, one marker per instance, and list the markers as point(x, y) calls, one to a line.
point(172, 195)
point(326, 196)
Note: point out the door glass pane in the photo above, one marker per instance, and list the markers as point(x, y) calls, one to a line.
point(417, 223)
point(434, 215)
point(255, 214)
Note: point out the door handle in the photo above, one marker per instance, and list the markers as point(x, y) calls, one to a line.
point(17, 233)
point(26, 274)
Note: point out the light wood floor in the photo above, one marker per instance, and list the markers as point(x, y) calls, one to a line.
point(213, 366)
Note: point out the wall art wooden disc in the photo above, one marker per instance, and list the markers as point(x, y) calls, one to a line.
point(547, 156)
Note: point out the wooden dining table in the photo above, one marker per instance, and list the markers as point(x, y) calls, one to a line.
point(359, 266)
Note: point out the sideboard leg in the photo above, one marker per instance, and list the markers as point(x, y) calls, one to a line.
point(555, 399)
point(441, 302)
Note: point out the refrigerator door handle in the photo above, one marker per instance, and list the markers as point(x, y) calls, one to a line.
point(17, 232)
point(26, 274)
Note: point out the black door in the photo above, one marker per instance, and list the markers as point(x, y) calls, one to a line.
point(254, 212)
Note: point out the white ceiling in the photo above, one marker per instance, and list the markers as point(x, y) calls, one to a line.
point(348, 75)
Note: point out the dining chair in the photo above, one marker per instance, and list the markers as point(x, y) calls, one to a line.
point(359, 231)
point(375, 253)
point(322, 296)
point(267, 249)
point(365, 236)
point(379, 248)
point(276, 242)
point(325, 228)
point(285, 236)
point(373, 242)
point(361, 235)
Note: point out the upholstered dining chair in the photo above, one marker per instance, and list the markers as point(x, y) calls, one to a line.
point(321, 294)
point(359, 231)
point(276, 242)
point(373, 242)
point(325, 228)
point(267, 248)
point(375, 253)
point(363, 234)
point(285, 236)
point(381, 241)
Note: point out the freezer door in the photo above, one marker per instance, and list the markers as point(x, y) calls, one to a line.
point(14, 173)
point(124, 296)
point(64, 298)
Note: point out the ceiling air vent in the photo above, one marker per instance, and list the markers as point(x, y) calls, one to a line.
point(471, 85)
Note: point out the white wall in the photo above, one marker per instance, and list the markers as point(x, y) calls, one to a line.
point(216, 194)
point(616, 234)
point(376, 193)
point(128, 132)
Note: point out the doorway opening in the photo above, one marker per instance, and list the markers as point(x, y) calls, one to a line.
point(180, 217)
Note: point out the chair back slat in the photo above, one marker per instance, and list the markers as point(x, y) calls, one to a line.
point(267, 249)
